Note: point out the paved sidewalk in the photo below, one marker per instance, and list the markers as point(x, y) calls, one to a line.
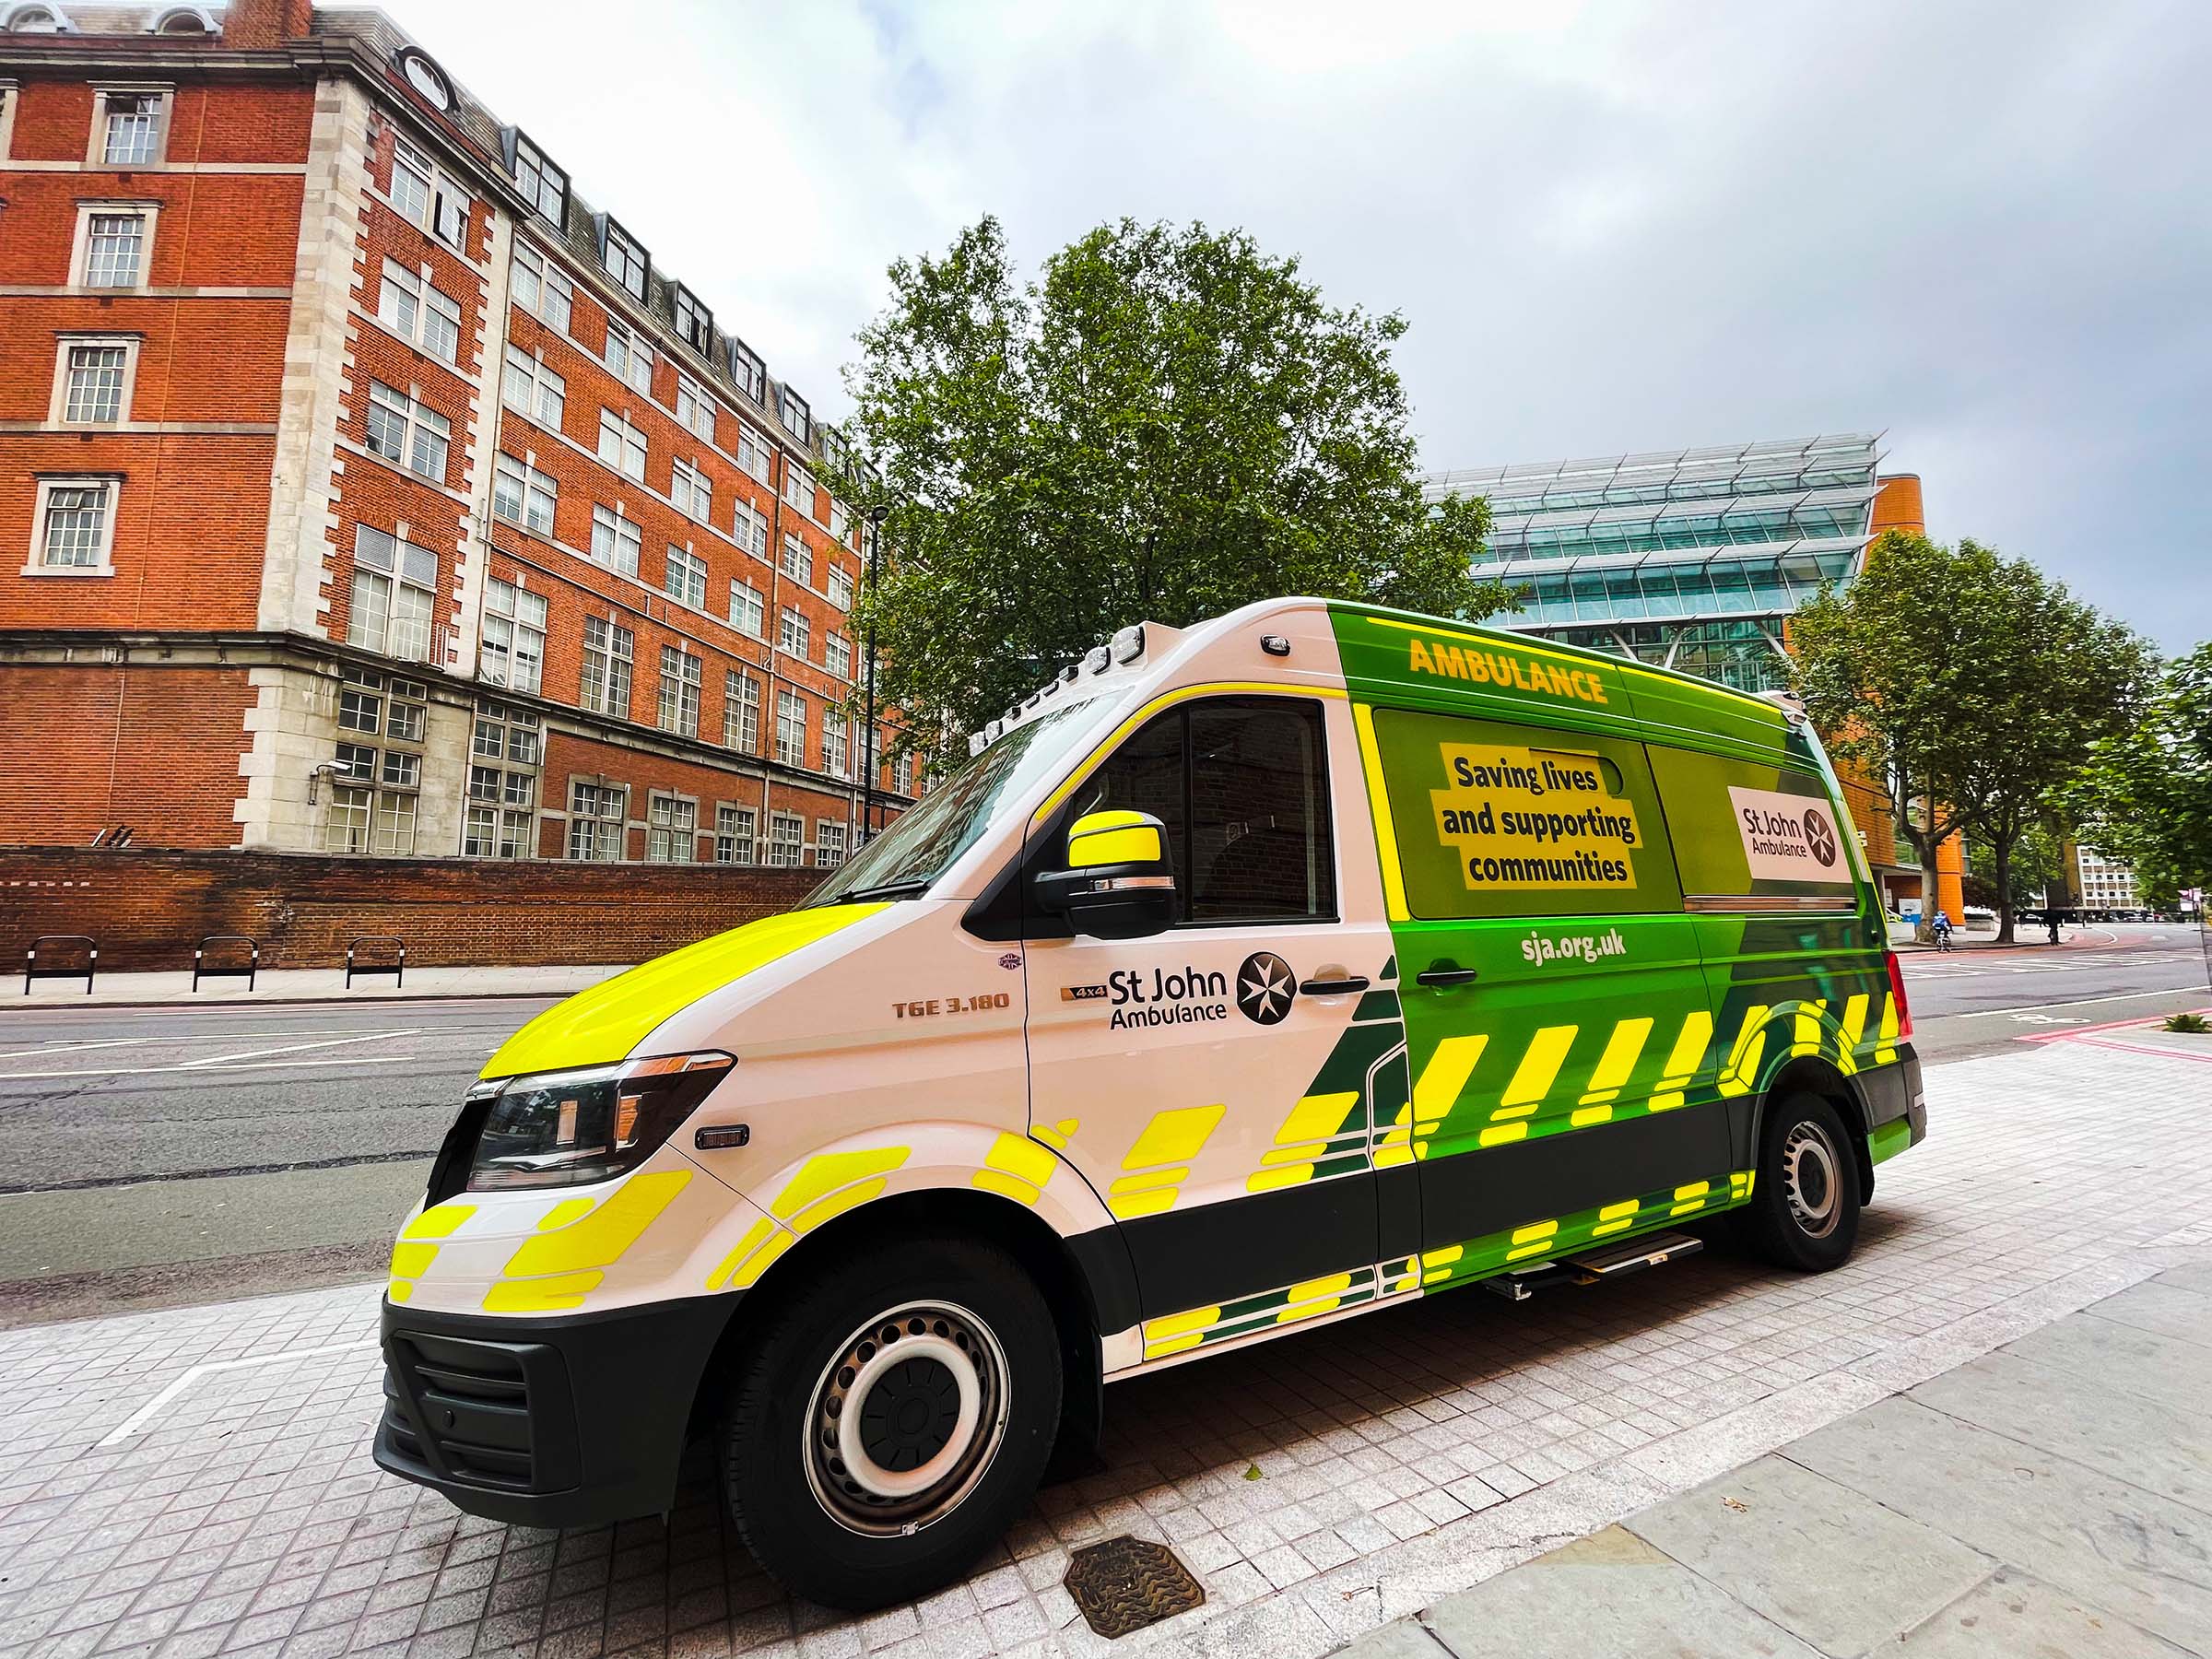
point(2052, 1498)
point(158, 1497)
point(299, 985)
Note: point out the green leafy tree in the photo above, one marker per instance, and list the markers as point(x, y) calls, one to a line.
point(1972, 683)
point(1167, 424)
point(2145, 796)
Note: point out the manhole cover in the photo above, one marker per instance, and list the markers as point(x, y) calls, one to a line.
point(1126, 1584)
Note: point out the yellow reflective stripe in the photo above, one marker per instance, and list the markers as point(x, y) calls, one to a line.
point(759, 1262)
point(1497, 1134)
point(1148, 1180)
point(1445, 1076)
point(599, 1240)
point(1177, 1324)
point(1808, 1027)
point(1087, 847)
point(1378, 802)
point(437, 1222)
point(1743, 1058)
point(540, 1295)
point(745, 1247)
point(1057, 1135)
point(1534, 1229)
point(827, 1171)
point(1316, 1297)
point(566, 1211)
point(1683, 1059)
point(1582, 1116)
point(1855, 1032)
point(1885, 1043)
point(1622, 1051)
point(1174, 1136)
point(1533, 1076)
point(1444, 1257)
point(409, 1260)
point(1316, 1118)
point(1168, 700)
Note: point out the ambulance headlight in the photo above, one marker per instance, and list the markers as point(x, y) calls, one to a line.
point(565, 1128)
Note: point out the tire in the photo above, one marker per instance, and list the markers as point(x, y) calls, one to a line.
point(859, 1508)
point(1804, 1204)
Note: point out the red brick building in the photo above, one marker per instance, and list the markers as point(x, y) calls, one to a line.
point(375, 492)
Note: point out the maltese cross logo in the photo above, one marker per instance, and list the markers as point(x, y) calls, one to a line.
point(1264, 988)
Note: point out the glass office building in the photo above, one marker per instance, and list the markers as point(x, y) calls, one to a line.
point(1689, 558)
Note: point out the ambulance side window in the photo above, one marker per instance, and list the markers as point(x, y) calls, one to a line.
point(1241, 785)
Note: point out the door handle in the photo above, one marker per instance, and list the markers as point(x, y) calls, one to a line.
point(1332, 987)
point(1443, 976)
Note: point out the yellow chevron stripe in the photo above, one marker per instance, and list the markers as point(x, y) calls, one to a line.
point(1683, 1060)
point(1622, 1051)
point(1540, 1067)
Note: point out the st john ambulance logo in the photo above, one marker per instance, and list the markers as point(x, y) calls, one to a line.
point(1264, 988)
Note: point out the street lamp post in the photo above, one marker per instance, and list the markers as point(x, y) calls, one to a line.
point(867, 788)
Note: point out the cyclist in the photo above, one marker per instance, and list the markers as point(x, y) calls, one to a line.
point(1941, 927)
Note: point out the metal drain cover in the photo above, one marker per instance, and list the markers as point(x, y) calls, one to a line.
point(1126, 1584)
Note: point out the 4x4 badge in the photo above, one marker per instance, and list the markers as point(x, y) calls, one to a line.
point(1265, 987)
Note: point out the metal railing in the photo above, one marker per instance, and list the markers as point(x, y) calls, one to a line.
point(396, 967)
point(252, 969)
point(31, 971)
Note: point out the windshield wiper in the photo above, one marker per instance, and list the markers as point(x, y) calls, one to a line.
point(911, 886)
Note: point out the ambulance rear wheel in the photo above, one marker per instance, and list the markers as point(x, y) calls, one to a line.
point(1804, 1200)
point(892, 1420)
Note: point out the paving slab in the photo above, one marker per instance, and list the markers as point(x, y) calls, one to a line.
point(2147, 1558)
point(1824, 1562)
point(2168, 1370)
point(2188, 1276)
point(2163, 1310)
point(2011, 1615)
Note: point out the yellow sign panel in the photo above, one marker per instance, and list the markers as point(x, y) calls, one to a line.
point(1520, 818)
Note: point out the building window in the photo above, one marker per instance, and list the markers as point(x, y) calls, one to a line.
point(686, 578)
point(115, 241)
point(840, 587)
point(750, 530)
point(429, 196)
point(621, 445)
point(841, 521)
point(798, 488)
point(752, 454)
point(542, 183)
point(680, 678)
point(786, 841)
point(630, 357)
point(747, 608)
point(790, 728)
point(542, 287)
point(615, 541)
point(411, 308)
point(792, 633)
point(372, 805)
point(402, 428)
point(748, 371)
point(524, 494)
point(75, 526)
point(692, 490)
point(394, 593)
point(131, 128)
point(537, 390)
point(837, 655)
point(694, 321)
point(694, 407)
point(595, 821)
point(798, 564)
point(837, 757)
point(624, 257)
point(513, 652)
point(903, 773)
point(734, 835)
point(829, 843)
point(740, 711)
point(607, 650)
point(797, 417)
point(671, 828)
point(96, 381)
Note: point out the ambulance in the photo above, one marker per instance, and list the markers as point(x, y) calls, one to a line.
point(1247, 978)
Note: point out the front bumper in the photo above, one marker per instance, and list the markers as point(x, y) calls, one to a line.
point(575, 1421)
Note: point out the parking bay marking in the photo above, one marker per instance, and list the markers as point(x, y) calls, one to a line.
point(138, 1418)
point(242, 1060)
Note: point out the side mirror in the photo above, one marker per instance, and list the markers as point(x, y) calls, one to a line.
point(1118, 882)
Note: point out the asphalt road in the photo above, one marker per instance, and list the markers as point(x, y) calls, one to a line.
point(161, 1155)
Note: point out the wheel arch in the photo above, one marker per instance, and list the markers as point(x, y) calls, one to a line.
point(1815, 1074)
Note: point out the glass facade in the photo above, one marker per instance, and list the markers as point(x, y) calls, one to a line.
point(1689, 558)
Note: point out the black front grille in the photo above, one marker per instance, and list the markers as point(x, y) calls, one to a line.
point(491, 1413)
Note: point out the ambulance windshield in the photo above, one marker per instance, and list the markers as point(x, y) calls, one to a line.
point(908, 857)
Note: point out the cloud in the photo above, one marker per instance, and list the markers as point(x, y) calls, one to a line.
point(1982, 230)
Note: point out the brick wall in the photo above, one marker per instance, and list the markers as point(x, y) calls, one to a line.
point(147, 909)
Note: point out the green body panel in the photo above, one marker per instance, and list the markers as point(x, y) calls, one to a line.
point(1598, 1001)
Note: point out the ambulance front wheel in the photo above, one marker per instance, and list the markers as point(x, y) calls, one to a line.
point(1804, 1200)
point(891, 1418)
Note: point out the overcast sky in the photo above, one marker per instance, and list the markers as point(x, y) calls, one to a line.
point(1984, 230)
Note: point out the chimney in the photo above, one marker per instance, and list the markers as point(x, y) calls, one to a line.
point(264, 23)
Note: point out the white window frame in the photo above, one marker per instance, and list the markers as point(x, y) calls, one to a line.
point(98, 151)
point(683, 682)
point(536, 271)
point(741, 710)
point(749, 530)
point(420, 421)
point(798, 560)
point(796, 415)
point(798, 488)
point(528, 385)
point(627, 440)
point(697, 330)
point(778, 843)
point(628, 355)
point(752, 453)
point(837, 654)
point(748, 610)
point(837, 744)
point(35, 564)
point(839, 590)
point(419, 590)
point(533, 171)
point(735, 830)
point(513, 619)
point(607, 832)
point(748, 371)
point(691, 566)
point(443, 196)
point(829, 832)
point(694, 406)
point(611, 233)
point(57, 413)
point(515, 477)
point(692, 490)
point(790, 727)
point(669, 838)
point(425, 304)
point(80, 252)
point(625, 538)
point(795, 634)
point(619, 655)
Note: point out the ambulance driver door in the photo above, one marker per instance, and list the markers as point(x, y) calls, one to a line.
point(1194, 1074)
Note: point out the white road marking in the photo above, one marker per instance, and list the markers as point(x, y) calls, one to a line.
point(293, 1047)
point(2080, 1002)
point(138, 1418)
point(64, 1046)
point(141, 1071)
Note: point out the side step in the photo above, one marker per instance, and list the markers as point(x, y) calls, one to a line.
point(1612, 1262)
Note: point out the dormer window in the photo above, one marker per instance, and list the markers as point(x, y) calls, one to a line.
point(796, 415)
point(184, 20)
point(694, 321)
point(748, 371)
point(426, 78)
point(624, 257)
point(39, 19)
point(545, 185)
